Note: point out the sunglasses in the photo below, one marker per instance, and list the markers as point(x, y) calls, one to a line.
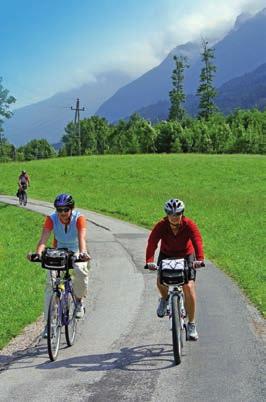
point(175, 215)
point(62, 209)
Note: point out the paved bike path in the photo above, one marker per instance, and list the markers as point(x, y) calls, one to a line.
point(123, 351)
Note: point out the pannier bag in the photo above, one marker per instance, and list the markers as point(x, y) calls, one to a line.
point(172, 272)
point(55, 258)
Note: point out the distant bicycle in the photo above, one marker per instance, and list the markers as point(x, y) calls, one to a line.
point(22, 195)
point(175, 273)
point(62, 304)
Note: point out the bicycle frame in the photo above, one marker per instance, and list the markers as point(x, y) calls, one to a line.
point(63, 287)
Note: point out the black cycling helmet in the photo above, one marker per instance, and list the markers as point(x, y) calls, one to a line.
point(174, 206)
point(64, 200)
point(23, 172)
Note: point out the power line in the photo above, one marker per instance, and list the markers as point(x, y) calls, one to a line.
point(77, 121)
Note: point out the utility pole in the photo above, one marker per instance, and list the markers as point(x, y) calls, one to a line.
point(77, 122)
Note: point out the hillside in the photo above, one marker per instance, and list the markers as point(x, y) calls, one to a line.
point(47, 119)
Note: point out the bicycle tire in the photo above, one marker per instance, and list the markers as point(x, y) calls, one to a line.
point(53, 328)
point(25, 198)
point(176, 330)
point(20, 198)
point(182, 324)
point(71, 327)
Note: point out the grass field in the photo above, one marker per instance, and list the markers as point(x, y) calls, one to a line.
point(21, 283)
point(224, 194)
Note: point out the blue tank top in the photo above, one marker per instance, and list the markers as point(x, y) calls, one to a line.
point(67, 239)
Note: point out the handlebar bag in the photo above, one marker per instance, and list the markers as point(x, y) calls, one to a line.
point(55, 259)
point(172, 272)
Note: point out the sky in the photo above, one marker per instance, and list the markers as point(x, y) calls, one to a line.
point(55, 45)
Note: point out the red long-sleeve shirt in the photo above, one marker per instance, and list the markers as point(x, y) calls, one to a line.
point(187, 241)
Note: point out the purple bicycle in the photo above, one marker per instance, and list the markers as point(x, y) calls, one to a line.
point(62, 306)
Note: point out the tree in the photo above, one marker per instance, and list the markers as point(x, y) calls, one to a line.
point(168, 137)
point(94, 133)
point(177, 95)
point(37, 149)
point(5, 101)
point(206, 90)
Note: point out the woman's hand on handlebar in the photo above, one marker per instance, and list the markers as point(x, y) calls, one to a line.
point(151, 266)
point(84, 256)
point(34, 257)
point(198, 264)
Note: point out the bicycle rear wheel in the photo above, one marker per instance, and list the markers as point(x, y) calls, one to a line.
point(71, 327)
point(53, 328)
point(176, 330)
point(25, 198)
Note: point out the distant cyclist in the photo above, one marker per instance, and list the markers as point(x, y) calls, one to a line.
point(69, 229)
point(180, 238)
point(23, 180)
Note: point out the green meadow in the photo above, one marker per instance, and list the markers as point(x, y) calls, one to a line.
point(224, 194)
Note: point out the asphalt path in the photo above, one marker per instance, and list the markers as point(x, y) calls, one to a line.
point(123, 352)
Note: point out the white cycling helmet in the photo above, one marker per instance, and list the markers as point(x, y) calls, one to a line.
point(174, 206)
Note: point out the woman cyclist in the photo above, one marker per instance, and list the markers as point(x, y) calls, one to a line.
point(180, 238)
point(69, 229)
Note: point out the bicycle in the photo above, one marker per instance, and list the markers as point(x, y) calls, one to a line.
point(22, 195)
point(62, 306)
point(174, 273)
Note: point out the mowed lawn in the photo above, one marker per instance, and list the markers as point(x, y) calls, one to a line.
point(224, 194)
point(21, 283)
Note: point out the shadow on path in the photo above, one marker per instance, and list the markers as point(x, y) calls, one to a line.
point(139, 358)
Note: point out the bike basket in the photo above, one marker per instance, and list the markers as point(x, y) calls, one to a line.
point(55, 259)
point(171, 272)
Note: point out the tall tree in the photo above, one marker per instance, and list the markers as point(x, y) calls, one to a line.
point(177, 95)
point(206, 90)
point(5, 113)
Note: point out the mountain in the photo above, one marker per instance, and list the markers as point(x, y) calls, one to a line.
point(244, 92)
point(242, 50)
point(150, 87)
point(47, 119)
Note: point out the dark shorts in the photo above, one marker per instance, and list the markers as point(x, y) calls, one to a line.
point(189, 258)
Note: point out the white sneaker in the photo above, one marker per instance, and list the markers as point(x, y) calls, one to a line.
point(79, 310)
point(45, 334)
point(162, 308)
point(192, 331)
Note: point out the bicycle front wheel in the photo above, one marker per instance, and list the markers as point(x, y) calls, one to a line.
point(71, 326)
point(53, 328)
point(176, 330)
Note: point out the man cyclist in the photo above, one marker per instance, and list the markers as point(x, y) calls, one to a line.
point(23, 180)
point(69, 229)
point(180, 238)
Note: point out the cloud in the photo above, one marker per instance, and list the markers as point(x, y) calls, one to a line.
point(208, 19)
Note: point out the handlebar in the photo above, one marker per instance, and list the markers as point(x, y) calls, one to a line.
point(35, 257)
point(195, 264)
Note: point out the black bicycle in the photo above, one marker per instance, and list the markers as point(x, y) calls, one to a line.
point(62, 306)
point(174, 273)
point(22, 195)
